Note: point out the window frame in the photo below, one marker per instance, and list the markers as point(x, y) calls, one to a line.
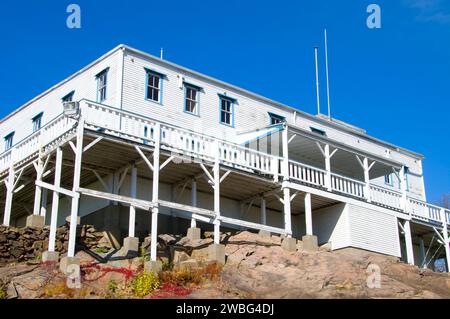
point(231, 112)
point(318, 131)
point(37, 119)
point(197, 89)
point(272, 116)
point(68, 97)
point(161, 77)
point(102, 86)
point(9, 141)
point(388, 180)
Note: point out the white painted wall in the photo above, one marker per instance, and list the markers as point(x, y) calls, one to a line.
point(373, 230)
point(85, 86)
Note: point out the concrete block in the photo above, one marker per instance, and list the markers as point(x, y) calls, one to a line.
point(289, 244)
point(310, 243)
point(35, 221)
point(193, 233)
point(264, 233)
point(50, 256)
point(216, 252)
point(130, 246)
point(78, 220)
point(153, 266)
point(66, 262)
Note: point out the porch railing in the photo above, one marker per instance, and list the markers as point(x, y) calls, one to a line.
point(179, 140)
point(307, 174)
point(347, 185)
point(42, 138)
point(385, 197)
point(201, 146)
point(426, 212)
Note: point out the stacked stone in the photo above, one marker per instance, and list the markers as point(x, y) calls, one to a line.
point(27, 244)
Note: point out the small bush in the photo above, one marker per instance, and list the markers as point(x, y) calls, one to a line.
point(167, 265)
point(144, 283)
point(112, 286)
point(102, 250)
point(3, 294)
point(191, 277)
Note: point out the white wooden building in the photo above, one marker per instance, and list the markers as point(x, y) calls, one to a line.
point(152, 146)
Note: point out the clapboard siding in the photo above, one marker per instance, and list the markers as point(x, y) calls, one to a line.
point(330, 224)
point(373, 230)
point(250, 112)
point(84, 85)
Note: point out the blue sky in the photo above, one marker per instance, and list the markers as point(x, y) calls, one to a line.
point(393, 82)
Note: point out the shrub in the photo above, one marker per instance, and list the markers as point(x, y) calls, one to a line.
point(102, 250)
point(144, 283)
point(3, 294)
point(112, 286)
point(167, 265)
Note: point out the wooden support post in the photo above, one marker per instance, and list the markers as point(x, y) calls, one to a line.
point(423, 261)
point(403, 189)
point(216, 173)
point(132, 217)
point(408, 241)
point(445, 237)
point(55, 201)
point(287, 210)
point(193, 200)
point(327, 167)
point(76, 185)
point(43, 212)
point(9, 195)
point(308, 214)
point(263, 211)
point(285, 164)
point(155, 192)
point(366, 179)
point(38, 190)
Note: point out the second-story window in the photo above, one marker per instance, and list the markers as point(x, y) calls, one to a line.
point(191, 99)
point(276, 119)
point(388, 179)
point(226, 111)
point(154, 86)
point(37, 122)
point(9, 141)
point(102, 84)
point(68, 97)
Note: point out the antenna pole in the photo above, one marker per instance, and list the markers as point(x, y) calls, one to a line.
point(317, 79)
point(328, 81)
point(162, 54)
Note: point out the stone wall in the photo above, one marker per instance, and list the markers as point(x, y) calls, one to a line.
point(27, 244)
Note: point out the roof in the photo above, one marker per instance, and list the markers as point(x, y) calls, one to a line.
point(319, 119)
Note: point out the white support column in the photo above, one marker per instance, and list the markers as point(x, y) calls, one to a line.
point(408, 241)
point(193, 200)
point(216, 176)
point(366, 179)
point(287, 211)
point(38, 190)
point(44, 202)
point(132, 217)
point(285, 164)
point(308, 214)
point(327, 167)
point(263, 211)
point(423, 262)
point(403, 188)
point(55, 201)
point(76, 185)
point(9, 196)
point(446, 240)
point(155, 192)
